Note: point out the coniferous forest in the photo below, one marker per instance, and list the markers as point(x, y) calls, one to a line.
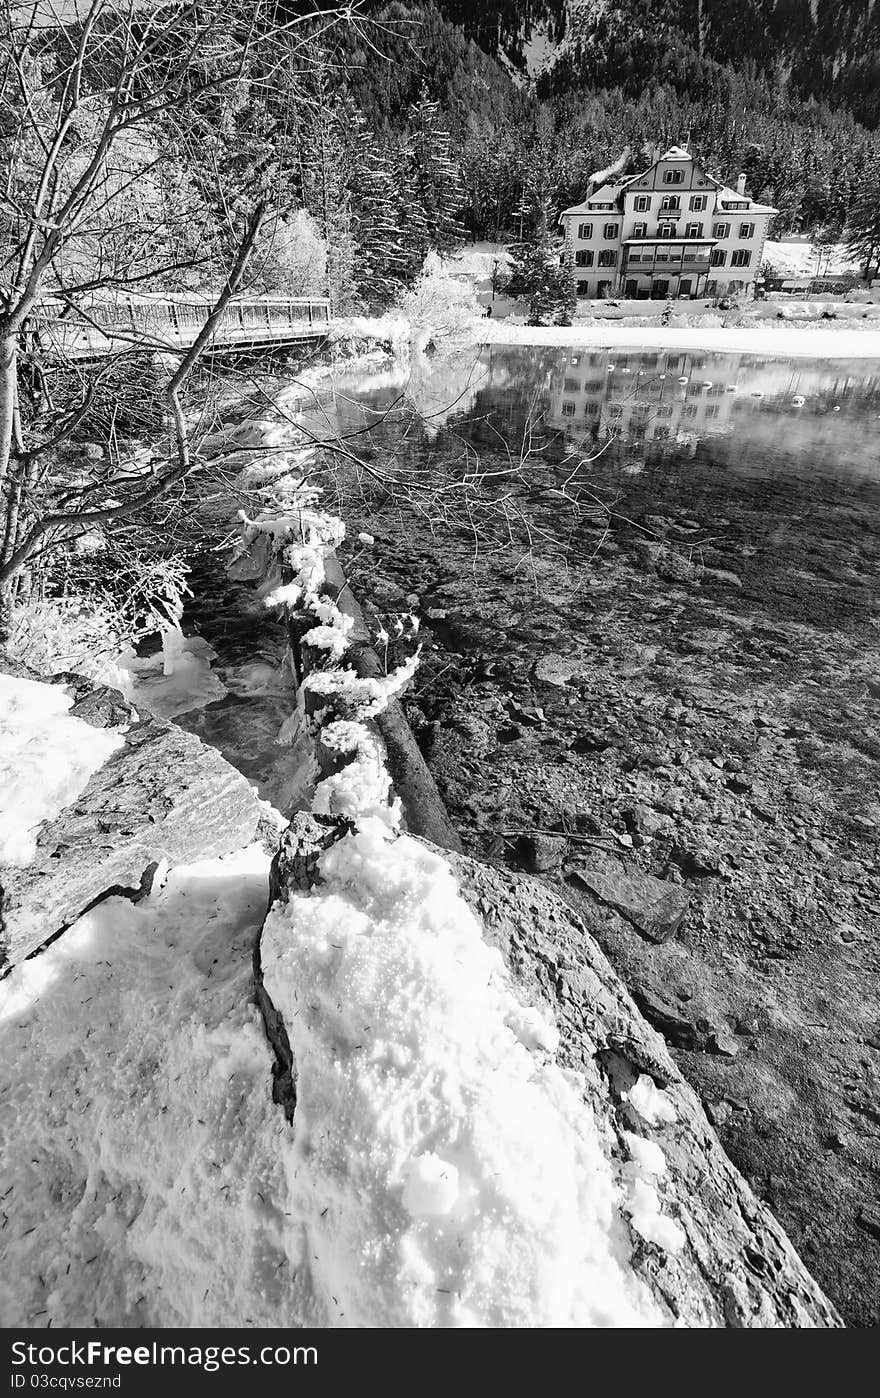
point(430, 122)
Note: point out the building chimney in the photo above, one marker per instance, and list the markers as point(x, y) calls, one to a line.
point(741, 184)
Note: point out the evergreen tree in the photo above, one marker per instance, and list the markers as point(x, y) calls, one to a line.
point(435, 175)
point(864, 224)
point(325, 193)
point(537, 272)
point(415, 239)
point(383, 263)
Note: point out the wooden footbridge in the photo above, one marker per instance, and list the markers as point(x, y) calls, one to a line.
point(167, 324)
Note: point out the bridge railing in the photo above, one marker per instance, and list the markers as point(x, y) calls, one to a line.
point(172, 323)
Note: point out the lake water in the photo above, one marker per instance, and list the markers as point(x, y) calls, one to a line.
point(765, 469)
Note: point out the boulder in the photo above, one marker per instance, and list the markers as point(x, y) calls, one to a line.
point(736, 1267)
point(556, 669)
point(163, 795)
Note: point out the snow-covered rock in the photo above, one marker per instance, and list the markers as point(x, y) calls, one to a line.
point(116, 795)
point(458, 1170)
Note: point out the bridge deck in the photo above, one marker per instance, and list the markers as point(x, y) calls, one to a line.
point(168, 326)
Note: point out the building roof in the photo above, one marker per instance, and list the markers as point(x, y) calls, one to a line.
point(610, 193)
point(725, 195)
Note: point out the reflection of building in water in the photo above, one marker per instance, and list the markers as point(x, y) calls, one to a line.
point(679, 397)
point(641, 398)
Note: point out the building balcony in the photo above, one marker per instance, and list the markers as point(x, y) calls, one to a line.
point(668, 254)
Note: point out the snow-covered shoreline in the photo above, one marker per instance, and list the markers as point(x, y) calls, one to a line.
point(803, 341)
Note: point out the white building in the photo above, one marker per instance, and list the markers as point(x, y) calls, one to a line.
point(672, 231)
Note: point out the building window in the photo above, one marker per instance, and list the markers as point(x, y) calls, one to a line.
point(585, 230)
point(719, 257)
point(569, 409)
point(694, 230)
point(740, 257)
point(608, 258)
point(591, 409)
point(666, 230)
point(720, 230)
point(673, 176)
point(698, 203)
point(571, 386)
point(610, 231)
point(583, 288)
point(640, 230)
point(642, 204)
point(746, 230)
point(583, 257)
point(669, 202)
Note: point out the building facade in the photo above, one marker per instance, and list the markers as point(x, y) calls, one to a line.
point(671, 231)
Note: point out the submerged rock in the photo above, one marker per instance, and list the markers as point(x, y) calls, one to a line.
point(654, 906)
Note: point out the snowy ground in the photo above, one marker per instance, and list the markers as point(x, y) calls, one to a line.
point(800, 260)
point(443, 1169)
point(790, 340)
point(143, 1181)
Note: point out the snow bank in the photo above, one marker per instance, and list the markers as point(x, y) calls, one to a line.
point(46, 759)
point(143, 1179)
point(446, 1171)
point(394, 331)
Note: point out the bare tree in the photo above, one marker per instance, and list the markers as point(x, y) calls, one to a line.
point(104, 109)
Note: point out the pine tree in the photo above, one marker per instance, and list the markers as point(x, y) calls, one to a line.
point(325, 193)
point(864, 224)
point(435, 175)
point(536, 269)
point(415, 235)
point(384, 264)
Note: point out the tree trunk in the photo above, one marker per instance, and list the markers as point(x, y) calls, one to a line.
point(8, 364)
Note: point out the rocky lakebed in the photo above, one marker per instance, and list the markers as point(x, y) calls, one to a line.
point(672, 718)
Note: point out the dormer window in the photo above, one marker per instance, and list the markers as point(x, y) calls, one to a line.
point(673, 176)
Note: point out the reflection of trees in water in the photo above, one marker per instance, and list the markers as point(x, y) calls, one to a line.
point(450, 438)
